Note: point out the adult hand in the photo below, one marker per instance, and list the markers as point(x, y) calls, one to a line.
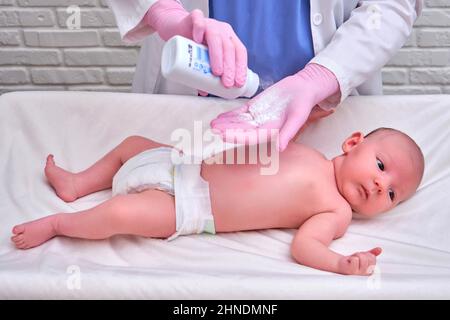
point(285, 106)
point(360, 263)
point(228, 56)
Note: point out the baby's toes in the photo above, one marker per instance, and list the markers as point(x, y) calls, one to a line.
point(49, 164)
point(19, 241)
point(18, 229)
point(17, 238)
point(50, 160)
point(21, 245)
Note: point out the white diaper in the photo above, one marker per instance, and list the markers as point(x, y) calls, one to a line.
point(154, 169)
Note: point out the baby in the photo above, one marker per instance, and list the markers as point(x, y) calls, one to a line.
point(154, 197)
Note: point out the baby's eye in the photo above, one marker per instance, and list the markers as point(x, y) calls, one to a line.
point(380, 164)
point(391, 194)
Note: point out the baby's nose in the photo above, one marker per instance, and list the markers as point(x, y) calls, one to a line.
point(380, 184)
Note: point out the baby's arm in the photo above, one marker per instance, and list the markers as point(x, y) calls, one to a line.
point(310, 246)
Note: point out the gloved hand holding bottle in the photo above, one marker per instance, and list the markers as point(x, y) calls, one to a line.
point(285, 106)
point(228, 56)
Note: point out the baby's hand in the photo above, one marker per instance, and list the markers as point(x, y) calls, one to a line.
point(360, 263)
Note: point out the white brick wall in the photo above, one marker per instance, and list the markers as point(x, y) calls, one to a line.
point(39, 52)
point(422, 66)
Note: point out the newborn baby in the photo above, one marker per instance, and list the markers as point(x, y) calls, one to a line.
point(155, 197)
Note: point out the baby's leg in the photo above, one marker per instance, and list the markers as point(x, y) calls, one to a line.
point(71, 186)
point(149, 214)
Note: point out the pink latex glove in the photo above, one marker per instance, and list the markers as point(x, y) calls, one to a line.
point(228, 56)
point(285, 105)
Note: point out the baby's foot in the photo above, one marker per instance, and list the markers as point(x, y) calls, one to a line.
point(61, 180)
point(34, 233)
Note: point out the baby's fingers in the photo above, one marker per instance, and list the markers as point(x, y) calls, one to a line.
point(371, 262)
point(363, 262)
point(354, 265)
point(376, 251)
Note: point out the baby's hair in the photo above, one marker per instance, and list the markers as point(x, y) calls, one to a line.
point(381, 129)
point(421, 163)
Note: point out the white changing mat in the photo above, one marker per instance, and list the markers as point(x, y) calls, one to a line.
point(80, 127)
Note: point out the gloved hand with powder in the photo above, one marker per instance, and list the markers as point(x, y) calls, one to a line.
point(284, 106)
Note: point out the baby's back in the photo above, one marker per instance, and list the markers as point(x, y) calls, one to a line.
point(242, 198)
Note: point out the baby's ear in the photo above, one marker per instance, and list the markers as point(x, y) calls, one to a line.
point(352, 141)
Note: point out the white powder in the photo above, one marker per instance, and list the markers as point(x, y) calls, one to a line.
point(270, 107)
point(246, 117)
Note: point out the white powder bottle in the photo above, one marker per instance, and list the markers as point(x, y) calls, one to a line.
point(187, 62)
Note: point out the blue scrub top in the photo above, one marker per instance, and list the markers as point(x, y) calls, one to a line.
point(277, 34)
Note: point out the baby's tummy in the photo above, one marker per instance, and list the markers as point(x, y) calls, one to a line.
point(243, 199)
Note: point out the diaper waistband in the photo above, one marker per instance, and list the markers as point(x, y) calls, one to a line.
point(192, 201)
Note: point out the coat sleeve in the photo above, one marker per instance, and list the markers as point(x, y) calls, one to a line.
point(364, 43)
point(129, 16)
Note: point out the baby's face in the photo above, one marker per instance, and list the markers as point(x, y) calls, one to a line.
point(378, 172)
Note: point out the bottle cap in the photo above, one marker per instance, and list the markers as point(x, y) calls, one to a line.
point(169, 56)
point(252, 84)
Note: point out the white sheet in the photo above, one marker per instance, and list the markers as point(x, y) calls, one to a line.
point(79, 127)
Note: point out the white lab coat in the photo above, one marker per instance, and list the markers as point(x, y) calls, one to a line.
point(354, 39)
